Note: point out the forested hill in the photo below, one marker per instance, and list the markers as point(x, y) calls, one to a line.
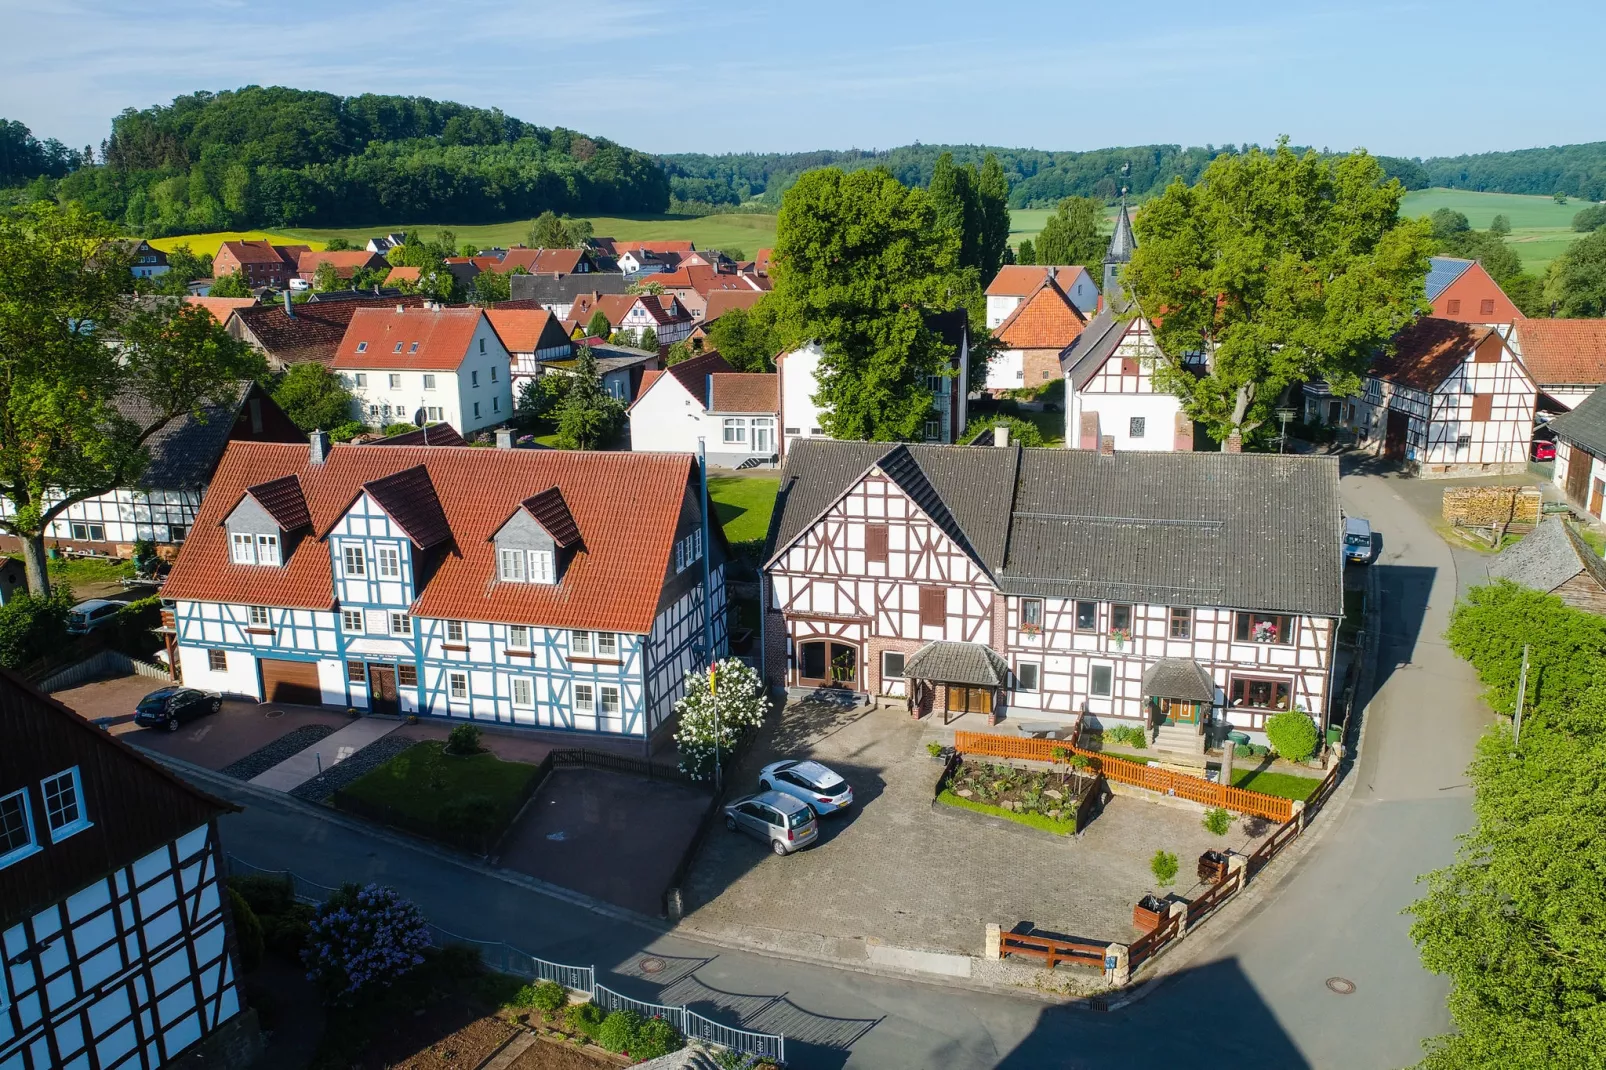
point(275, 157)
point(1576, 170)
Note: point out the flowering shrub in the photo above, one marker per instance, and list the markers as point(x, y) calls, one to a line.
point(730, 694)
point(362, 938)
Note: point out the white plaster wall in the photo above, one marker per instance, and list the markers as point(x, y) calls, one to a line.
point(799, 377)
point(666, 417)
point(1007, 369)
point(1115, 414)
point(999, 308)
point(240, 678)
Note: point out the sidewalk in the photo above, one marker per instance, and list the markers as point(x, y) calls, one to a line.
point(329, 751)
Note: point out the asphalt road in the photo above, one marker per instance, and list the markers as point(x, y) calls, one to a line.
point(1257, 999)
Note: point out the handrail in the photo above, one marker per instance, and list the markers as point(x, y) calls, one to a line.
point(1053, 951)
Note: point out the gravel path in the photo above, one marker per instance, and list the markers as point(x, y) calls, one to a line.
point(376, 754)
point(264, 758)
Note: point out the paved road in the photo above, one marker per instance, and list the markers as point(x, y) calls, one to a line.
point(1256, 1001)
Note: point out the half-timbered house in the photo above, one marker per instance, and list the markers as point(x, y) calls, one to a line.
point(1580, 469)
point(1110, 391)
point(1172, 590)
point(528, 587)
point(1451, 399)
point(116, 945)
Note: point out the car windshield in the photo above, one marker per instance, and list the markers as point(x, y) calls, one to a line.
point(1353, 539)
point(799, 819)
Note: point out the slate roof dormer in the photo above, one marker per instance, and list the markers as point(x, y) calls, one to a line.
point(552, 513)
point(410, 500)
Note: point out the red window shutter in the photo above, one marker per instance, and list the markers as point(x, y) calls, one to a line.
point(1482, 406)
point(875, 542)
point(1453, 306)
point(1129, 366)
point(1486, 306)
point(933, 607)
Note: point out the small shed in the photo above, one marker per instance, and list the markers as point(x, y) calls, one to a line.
point(971, 675)
point(1555, 559)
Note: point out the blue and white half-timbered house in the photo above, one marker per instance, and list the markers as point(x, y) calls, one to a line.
point(527, 587)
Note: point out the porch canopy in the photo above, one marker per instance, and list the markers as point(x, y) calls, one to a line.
point(967, 664)
point(1178, 678)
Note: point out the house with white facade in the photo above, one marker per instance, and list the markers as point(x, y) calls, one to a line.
point(552, 588)
point(1450, 399)
point(532, 336)
point(1014, 283)
point(733, 413)
point(1178, 592)
point(634, 313)
point(1580, 469)
point(1110, 390)
point(447, 365)
point(1033, 338)
point(149, 261)
point(117, 947)
point(1566, 358)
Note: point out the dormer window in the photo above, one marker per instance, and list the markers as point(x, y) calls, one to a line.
point(362, 347)
point(244, 549)
point(267, 549)
point(511, 569)
point(16, 828)
point(64, 804)
point(530, 542)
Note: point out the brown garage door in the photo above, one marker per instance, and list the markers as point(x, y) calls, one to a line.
point(290, 681)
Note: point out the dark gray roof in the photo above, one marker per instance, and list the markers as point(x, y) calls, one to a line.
point(1122, 241)
point(1586, 425)
point(1442, 271)
point(1548, 557)
point(1241, 531)
point(1095, 345)
point(186, 451)
point(283, 500)
point(325, 296)
point(563, 289)
point(972, 664)
point(1181, 678)
point(410, 499)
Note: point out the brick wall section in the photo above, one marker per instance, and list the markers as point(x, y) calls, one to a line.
point(1039, 366)
point(1492, 505)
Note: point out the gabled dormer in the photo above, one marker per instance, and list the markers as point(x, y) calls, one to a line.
point(380, 542)
point(266, 522)
point(536, 543)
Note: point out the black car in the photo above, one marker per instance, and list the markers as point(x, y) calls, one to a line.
point(171, 706)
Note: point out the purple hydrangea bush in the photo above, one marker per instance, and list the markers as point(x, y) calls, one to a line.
point(362, 938)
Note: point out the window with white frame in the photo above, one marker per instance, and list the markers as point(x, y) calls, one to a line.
point(244, 549)
point(429, 382)
point(518, 637)
point(933, 430)
point(267, 549)
point(356, 562)
point(454, 631)
point(259, 616)
point(540, 562)
point(89, 532)
point(64, 804)
point(361, 378)
point(432, 413)
point(217, 660)
point(401, 624)
point(609, 694)
point(16, 833)
point(457, 682)
point(580, 643)
point(735, 431)
point(351, 621)
point(395, 380)
point(607, 645)
point(389, 559)
point(510, 566)
point(584, 699)
point(523, 692)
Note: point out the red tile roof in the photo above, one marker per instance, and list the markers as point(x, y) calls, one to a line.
point(1021, 280)
point(264, 252)
point(526, 330)
point(761, 261)
point(537, 261)
point(626, 507)
point(429, 339)
point(313, 332)
point(1426, 352)
point(1045, 320)
point(746, 392)
point(704, 280)
point(221, 307)
point(722, 301)
point(283, 500)
point(403, 274)
point(662, 246)
point(344, 261)
point(1564, 352)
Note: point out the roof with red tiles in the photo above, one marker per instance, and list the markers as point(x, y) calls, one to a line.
point(313, 332)
point(344, 261)
point(761, 261)
point(746, 392)
point(539, 261)
point(624, 506)
point(527, 330)
point(552, 513)
point(1427, 351)
point(221, 307)
point(403, 274)
point(425, 339)
point(1021, 280)
point(1564, 352)
point(704, 280)
point(722, 301)
point(661, 246)
point(1045, 320)
point(264, 252)
point(663, 308)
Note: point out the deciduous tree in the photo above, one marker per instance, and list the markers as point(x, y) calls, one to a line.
point(587, 416)
point(1577, 280)
point(748, 338)
point(233, 284)
point(1026, 253)
point(313, 397)
point(1073, 235)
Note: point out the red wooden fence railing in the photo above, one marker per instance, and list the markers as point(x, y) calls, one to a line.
point(1052, 951)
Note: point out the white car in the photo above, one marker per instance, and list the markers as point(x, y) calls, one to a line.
point(823, 790)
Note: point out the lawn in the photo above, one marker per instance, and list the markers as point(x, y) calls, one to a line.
point(1541, 229)
point(744, 505)
point(1028, 222)
point(82, 570)
point(744, 232)
point(412, 789)
point(1282, 785)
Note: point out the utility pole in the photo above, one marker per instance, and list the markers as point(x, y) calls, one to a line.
point(1522, 694)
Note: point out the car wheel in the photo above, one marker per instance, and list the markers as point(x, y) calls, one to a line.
point(217, 704)
point(778, 847)
point(765, 785)
point(172, 723)
point(730, 823)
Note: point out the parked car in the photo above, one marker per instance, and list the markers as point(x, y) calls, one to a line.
point(824, 790)
point(1357, 540)
point(1544, 449)
point(91, 614)
point(785, 823)
point(169, 707)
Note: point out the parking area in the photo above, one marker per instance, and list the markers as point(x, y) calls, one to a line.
point(916, 875)
point(610, 835)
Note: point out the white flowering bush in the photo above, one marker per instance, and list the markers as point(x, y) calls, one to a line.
point(730, 694)
point(363, 937)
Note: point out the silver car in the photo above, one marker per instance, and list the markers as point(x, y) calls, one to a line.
point(821, 788)
point(785, 823)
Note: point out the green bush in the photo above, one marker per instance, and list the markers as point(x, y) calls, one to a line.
point(133, 633)
point(934, 749)
point(465, 739)
point(265, 894)
point(548, 997)
point(1128, 735)
point(584, 1018)
point(1292, 734)
point(619, 1030)
point(1242, 750)
point(1021, 432)
point(32, 627)
point(1218, 820)
point(398, 429)
point(247, 931)
point(655, 1039)
point(1164, 867)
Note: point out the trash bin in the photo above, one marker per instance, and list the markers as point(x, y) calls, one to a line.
point(1237, 737)
point(1334, 734)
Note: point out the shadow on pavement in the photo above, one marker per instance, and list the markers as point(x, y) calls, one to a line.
point(1405, 590)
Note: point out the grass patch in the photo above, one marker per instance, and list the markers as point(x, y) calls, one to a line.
point(79, 570)
point(743, 231)
point(1036, 821)
point(413, 790)
point(744, 505)
point(1282, 785)
point(1541, 229)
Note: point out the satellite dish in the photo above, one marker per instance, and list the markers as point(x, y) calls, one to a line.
point(418, 417)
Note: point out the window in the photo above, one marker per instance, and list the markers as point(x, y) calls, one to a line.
point(267, 549)
point(875, 543)
point(580, 643)
point(607, 645)
point(362, 377)
point(476, 410)
point(794, 430)
point(1463, 442)
point(1101, 681)
point(401, 624)
point(523, 692)
point(89, 532)
point(373, 410)
point(1031, 616)
point(407, 675)
point(389, 559)
point(473, 378)
point(610, 700)
point(1181, 623)
point(1486, 306)
point(891, 665)
point(540, 566)
point(1258, 693)
point(394, 378)
point(1087, 616)
point(482, 345)
point(1482, 406)
point(518, 637)
point(1453, 306)
point(735, 432)
point(362, 347)
point(351, 621)
point(1121, 621)
point(584, 698)
point(1264, 628)
point(177, 532)
point(1026, 676)
point(64, 804)
point(496, 404)
point(356, 673)
point(933, 607)
point(457, 684)
point(16, 830)
point(413, 348)
point(429, 382)
point(259, 616)
point(217, 660)
point(511, 566)
point(432, 413)
point(356, 562)
point(244, 549)
point(493, 373)
point(454, 631)
point(933, 430)
point(1136, 426)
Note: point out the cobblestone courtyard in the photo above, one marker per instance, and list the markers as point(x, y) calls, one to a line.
point(918, 876)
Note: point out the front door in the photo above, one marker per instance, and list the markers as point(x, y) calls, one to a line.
point(763, 438)
point(826, 664)
point(1596, 490)
point(382, 689)
point(1579, 462)
point(1176, 711)
point(1335, 412)
point(1394, 438)
point(969, 699)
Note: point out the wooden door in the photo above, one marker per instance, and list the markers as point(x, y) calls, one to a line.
point(382, 689)
point(1579, 462)
point(290, 681)
point(826, 664)
point(1595, 492)
point(969, 699)
point(1395, 435)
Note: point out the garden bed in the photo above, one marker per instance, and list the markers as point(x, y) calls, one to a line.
point(464, 800)
point(1052, 800)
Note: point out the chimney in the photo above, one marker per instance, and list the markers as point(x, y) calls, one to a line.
point(1001, 435)
point(1234, 443)
point(318, 441)
point(289, 306)
point(504, 438)
point(1107, 446)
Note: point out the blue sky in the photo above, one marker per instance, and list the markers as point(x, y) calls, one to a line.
point(1419, 79)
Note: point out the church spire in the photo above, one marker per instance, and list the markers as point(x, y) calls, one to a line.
point(1122, 242)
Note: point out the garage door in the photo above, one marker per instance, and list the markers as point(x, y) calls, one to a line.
point(290, 681)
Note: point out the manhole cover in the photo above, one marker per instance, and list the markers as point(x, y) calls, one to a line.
point(652, 965)
point(1342, 985)
point(271, 714)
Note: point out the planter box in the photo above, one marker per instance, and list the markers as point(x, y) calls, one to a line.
point(1146, 920)
point(1212, 867)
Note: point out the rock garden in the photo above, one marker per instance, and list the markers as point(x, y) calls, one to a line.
point(1058, 801)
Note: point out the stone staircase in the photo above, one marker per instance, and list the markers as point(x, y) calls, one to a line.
point(1179, 739)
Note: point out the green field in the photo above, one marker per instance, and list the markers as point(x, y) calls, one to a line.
point(1541, 229)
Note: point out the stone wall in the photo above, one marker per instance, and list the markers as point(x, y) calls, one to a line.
point(1517, 507)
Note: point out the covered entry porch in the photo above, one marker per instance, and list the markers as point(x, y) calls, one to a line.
point(956, 678)
point(1178, 695)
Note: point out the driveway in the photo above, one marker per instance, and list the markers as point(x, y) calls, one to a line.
point(218, 740)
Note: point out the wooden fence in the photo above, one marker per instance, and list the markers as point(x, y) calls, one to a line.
point(1164, 781)
point(1053, 951)
point(1145, 946)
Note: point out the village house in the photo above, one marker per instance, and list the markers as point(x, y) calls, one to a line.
point(1177, 592)
point(345, 262)
point(1033, 338)
point(761, 262)
point(1580, 469)
point(692, 286)
point(622, 370)
point(1462, 290)
point(264, 264)
point(385, 243)
point(1554, 558)
point(541, 262)
point(634, 313)
point(1566, 358)
point(1110, 390)
point(634, 263)
point(291, 333)
point(118, 949)
point(435, 364)
point(543, 588)
point(221, 308)
point(557, 293)
point(532, 336)
point(733, 413)
point(149, 261)
point(161, 505)
point(1452, 399)
point(1014, 283)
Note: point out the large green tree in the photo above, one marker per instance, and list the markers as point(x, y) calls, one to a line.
point(1073, 235)
point(748, 338)
point(88, 375)
point(974, 205)
point(1576, 284)
point(1283, 268)
point(859, 261)
point(587, 416)
point(313, 397)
